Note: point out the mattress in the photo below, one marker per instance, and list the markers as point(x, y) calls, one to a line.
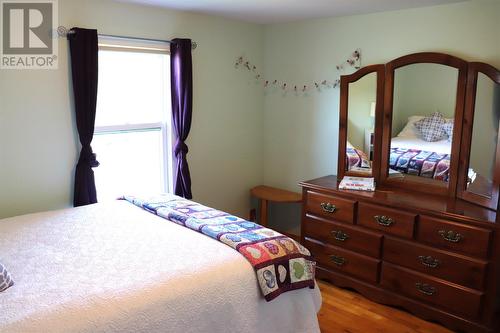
point(113, 267)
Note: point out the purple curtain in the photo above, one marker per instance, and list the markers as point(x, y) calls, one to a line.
point(181, 77)
point(83, 50)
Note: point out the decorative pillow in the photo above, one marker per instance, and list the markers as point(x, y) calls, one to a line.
point(431, 128)
point(448, 128)
point(5, 279)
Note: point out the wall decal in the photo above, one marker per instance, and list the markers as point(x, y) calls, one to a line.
point(353, 61)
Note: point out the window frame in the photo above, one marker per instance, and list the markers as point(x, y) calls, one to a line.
point(114, 44)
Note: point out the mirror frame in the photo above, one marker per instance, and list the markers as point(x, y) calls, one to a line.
point(422, 184)
point(345, 80)
point(470, 103)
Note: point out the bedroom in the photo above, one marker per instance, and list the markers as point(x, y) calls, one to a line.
point(242, 133)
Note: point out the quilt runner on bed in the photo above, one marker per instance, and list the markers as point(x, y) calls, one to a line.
point(281, 264)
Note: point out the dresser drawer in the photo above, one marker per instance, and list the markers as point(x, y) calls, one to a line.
point(342, 235)
point(456, 299)
point(329, 206)
point(454, 236)
point(335, 258)
point(445, 265)
point(389, 220)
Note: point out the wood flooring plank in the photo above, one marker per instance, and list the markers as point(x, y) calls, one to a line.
point(345, 311)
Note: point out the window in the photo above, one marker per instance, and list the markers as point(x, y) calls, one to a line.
point(132, 135)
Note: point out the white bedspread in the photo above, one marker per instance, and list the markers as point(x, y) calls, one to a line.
point(441, 147)
point(115, 268)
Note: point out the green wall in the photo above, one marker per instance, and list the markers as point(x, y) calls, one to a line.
point(38, 142)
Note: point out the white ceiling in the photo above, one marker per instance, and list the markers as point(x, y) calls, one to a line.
point(278, 11)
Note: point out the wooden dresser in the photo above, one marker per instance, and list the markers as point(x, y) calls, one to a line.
point(434, 256)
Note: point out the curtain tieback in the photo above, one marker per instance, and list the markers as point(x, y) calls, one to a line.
point(180, 147)
point(88, 157)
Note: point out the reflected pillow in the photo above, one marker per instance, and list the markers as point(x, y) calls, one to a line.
point(448, 128)
point(409, 131)
point(5, 278)
point(431, 128)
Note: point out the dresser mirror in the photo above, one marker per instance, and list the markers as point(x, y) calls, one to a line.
point(361, 98)
point(424, 102)
point(361, 124)
point(482, 116)
point(484, 137)
point(423, 113)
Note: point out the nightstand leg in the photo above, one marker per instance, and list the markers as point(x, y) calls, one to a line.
point(263, 213)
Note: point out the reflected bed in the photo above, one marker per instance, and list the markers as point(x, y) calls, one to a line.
point(417, 157)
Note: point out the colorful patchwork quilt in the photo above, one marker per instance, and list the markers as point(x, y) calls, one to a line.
point(356, 158)
point(420, 163)
point(281, 264)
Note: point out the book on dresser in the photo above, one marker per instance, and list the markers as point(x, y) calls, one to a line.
point(357, 183)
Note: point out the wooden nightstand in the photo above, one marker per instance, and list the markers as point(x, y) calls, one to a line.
point(267, 194)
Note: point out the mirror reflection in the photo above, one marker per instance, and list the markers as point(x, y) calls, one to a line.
point(360, 125)
point(423, 117)
point(484, 137)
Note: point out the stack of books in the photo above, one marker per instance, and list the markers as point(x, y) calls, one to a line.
point(357, 183)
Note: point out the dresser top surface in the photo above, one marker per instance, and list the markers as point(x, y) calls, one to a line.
point(396, 197)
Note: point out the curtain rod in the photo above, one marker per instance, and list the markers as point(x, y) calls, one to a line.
point(193, 43)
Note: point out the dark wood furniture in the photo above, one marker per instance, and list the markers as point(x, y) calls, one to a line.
point(430, 248)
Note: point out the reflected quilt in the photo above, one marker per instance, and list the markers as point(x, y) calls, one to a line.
point(356, 158)
point(420, 163)
point(281, 264)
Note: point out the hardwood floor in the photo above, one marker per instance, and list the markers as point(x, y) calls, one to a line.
point(344, 311)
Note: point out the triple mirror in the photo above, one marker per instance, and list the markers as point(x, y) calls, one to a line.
point(426, 121)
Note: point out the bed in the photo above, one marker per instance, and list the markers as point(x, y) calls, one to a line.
point(410, 154)
point(113, 267)
point(417, 157)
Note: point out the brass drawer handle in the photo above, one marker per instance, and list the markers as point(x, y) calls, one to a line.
point(383, 220)
point(429, 261)
point(425, 288)
point(451, 236)
point(338, 260)
point(328, 207)
point(340, 235)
